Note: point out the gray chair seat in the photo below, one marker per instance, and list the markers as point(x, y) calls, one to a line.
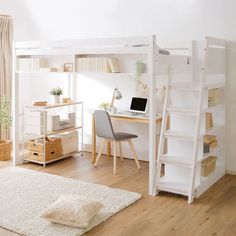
point(124, 136)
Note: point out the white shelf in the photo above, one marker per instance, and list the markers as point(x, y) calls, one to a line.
point(121, 74)
point(207, 182)
point(179, 135)
point(176, 160)
point(113, 75)
point(196, 86)
point(192, 112)
point(43, 72)
point(215, 129)
point(185, 161)
point(50, 106)
point(213, 108)
point(32, 136)
point(63, 130)
point(182, 111)
point(173, 186)
point(211, 153)
point(180, 187)
point(55, 159)
point(185, 86)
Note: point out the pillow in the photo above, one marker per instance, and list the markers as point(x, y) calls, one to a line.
point(72, 210)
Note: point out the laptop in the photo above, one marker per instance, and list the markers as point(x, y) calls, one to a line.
point(138, 105)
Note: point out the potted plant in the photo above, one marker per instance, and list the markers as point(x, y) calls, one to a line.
point(56, 94)
point(104, 106)
point(5, 122)
point(140, 68)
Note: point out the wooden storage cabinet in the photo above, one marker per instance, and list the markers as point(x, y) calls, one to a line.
point(43, 145)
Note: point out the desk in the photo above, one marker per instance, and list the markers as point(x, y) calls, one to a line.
point(119, 117)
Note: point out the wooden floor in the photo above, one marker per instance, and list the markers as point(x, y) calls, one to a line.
point(214, 213)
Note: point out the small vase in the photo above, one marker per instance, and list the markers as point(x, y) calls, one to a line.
point(56, 99)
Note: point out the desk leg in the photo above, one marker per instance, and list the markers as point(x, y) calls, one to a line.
point(93, 140)
point(108, 149)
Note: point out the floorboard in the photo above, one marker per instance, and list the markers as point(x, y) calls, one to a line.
point(165, 215)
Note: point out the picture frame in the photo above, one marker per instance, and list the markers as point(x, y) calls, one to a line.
point(68, 67)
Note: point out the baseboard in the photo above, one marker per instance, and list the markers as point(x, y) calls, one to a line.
point(230, 172)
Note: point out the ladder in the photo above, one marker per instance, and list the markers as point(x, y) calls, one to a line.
point(161, 183)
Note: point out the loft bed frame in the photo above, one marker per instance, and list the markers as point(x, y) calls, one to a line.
point(180, 57)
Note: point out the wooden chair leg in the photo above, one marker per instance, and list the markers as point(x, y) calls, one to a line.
point(131, 145)
point(121, 153)
point(114, 161)
point(108, 149)
point(100, 152)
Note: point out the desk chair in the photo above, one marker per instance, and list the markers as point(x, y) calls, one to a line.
point(105, 130)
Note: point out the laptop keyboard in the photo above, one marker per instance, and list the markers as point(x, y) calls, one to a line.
point(131, 113)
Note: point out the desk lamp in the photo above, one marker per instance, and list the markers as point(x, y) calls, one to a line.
point(116, 95)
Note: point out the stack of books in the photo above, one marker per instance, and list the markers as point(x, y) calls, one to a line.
point(26, 64)
point(97, 65)
point(209, 121)
point(213, 97)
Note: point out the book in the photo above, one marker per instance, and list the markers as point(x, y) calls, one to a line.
point(114, 65)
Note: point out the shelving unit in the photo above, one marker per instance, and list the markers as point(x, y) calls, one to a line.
point(42, 113)
point(186, 105)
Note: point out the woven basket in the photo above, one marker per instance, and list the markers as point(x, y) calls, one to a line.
point(53, 149)
point(5, 150)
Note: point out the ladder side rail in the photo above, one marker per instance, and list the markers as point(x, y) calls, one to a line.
point(163, 129)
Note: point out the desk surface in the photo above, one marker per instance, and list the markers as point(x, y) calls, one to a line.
point(132, 118)
point(122, 116)
point(140, 116)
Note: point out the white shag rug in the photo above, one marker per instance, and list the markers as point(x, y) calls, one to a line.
point(25, 194)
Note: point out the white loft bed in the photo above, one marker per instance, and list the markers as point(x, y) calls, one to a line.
point(180, 57)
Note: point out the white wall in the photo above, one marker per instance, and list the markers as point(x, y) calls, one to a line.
point(88, 18)
point(231, 108)
point(169, 19)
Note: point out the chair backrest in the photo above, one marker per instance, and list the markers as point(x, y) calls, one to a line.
point(103, 125)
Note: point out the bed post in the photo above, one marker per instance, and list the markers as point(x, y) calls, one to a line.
point(15, 108)
point(152, 63)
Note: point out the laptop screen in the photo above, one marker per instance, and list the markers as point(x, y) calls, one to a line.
point(138, 104)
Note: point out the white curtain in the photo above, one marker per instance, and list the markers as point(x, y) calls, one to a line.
point(6, 37)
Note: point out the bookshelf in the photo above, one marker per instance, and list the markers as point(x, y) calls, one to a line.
point(37, 116)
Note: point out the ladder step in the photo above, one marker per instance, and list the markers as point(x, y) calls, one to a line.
point(182, 111)
point(185, 86)
point(179, 135)
point(175, 160)
point(173, 186)
point(196, 86)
